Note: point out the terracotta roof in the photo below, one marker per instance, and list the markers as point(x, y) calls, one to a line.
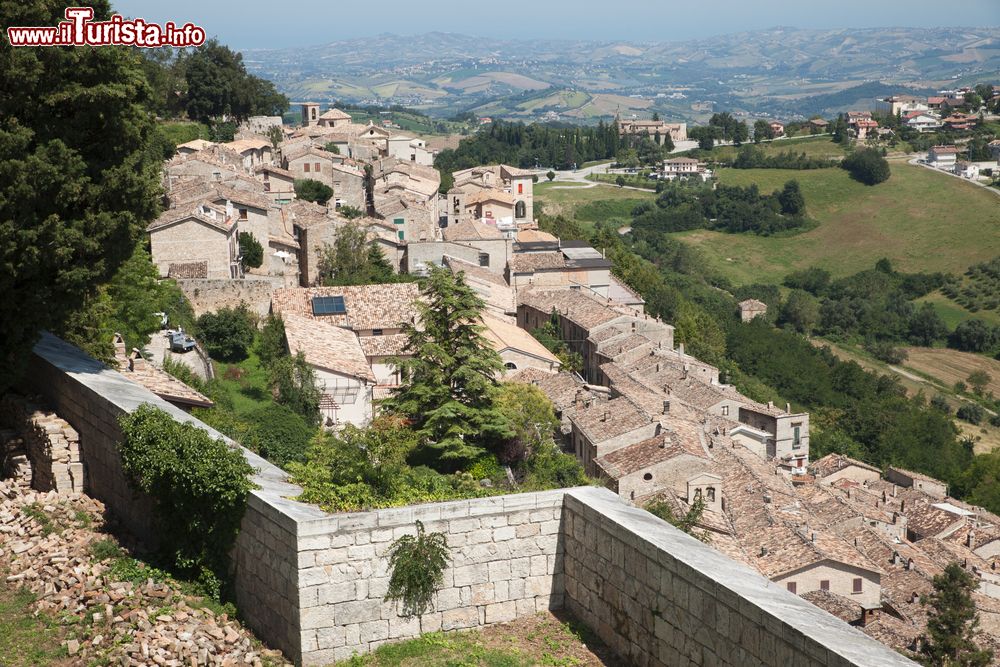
point(529, 262)
point(831, 463)
point(309, 150)
point(605, 420)
point(334, 114)
point(535, 236)
point(561, 388)
point(659, 448)
point(507, 335)
point(261, 168)
point(383, 346)
point(386, 306)
point(487, 195)
point(237, 196)
point(926, 520)
point(581, 308)
point(196, 144)
point(241, 145)
point(469, 230)
point(176, 215)
point(327, 346)
point(166, 386)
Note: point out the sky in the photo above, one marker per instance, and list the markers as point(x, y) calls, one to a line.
point(269, 24)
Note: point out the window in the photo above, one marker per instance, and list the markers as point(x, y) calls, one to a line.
point(796, 436)
point(824, 585)
point(376, 332)
point(510, 366)
point(398, 221)
point(305, 167)
point(484, 259)
point(725, 410)
point(857, 585)
point(328, 305)
point(243, 214)
point(316, 168)
point(401, 234)
point(710, 491)
point(697, 494)
point(648, 476)
point(520, 188)
point(520, 210)
point(791, 587)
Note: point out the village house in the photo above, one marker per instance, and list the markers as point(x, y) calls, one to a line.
point(683, 167)
point(503, 193)
point(901, 104)
point(818, 125)
point(343, 374)
point(279, 184)
point(656, 130)
point(967, 170)
point(921, 121)
point(408, 149)
point(254, 152)
point(909, 479)
point(943, 157)
point(334, 118)
point(777, 128)
point(193, 146)
point(195, 241)
point(751, 308)
point(960, 121)
point(517, 348)
point(474, 242)
point(568, 265)
point(864, 128)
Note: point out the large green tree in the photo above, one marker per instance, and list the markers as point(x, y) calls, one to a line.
point(449, 385)
point(218, 86)
point(353, 259)
point(79, 175)
point(953, 622)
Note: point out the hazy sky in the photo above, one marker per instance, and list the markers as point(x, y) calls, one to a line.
point(256, 23)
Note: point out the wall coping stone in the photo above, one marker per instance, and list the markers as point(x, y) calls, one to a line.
point(814, 624)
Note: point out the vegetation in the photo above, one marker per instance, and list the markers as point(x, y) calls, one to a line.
point(977, 290)
point(753, 157)
point(417, 563)
point(71, 208)
point(867, 166)
point(227, 333)
point(129, 304)
point(29, 638)
point(293, 384)
point(733, 209)
point(251, 251)
point(449, 389)
point(312, 190)
point(952, 622)
point(687, 523)
point(354, 259)
point(198, 487)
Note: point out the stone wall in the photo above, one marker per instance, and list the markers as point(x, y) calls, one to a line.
point(658, 596)
point(48, 442)
point(312, 584)
point(207, 296)
point(506, 562)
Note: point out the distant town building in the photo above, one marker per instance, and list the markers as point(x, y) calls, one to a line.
point(751, 308)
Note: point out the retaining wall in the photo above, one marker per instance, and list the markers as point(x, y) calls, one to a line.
point(313, 584)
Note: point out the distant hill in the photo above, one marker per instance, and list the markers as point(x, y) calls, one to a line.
point(783, 72)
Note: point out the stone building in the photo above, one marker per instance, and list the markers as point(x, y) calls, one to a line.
point(198, 241)
point(751, 308)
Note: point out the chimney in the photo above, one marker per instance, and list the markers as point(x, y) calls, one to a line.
point(914, 597)
point(136, 362)
point(893, 490)
point(121, 355)
point(788, 408)
point(896, 558)
point(666, 407)
point(770, 404)
point(578, 399)
point(909, 563)
point(970, 539)
point(680, 349)
point(812, 538)
point(902, 505)
point(767, 499)
point(868, 616)
point(763, 551)
point(657, 366)
point(604, 418)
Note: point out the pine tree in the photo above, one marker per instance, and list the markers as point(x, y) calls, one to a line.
point(953, 622)
point(449, 380)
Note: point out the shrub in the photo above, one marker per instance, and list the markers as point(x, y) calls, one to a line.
point(867, 166)
point(293, 382)
point(971, 412)
point(418, 563)
point(271, 344)
point(974, 336)
point(198, 486)
point(314, 191)
point(886, 352)
point(280, 434)
point(350, 212)
point(227, 333)
point(940, 403)
point(251, 251)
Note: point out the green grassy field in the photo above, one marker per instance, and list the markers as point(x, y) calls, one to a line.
point(921, 220)
point(952, 313)
point(566, 198)
point(26, 638)
point(811, 146)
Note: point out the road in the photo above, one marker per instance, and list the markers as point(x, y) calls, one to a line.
point(917, 161)
point(159, 349)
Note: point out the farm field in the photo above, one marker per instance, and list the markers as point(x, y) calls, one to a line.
point(911, 219)
point(567, 198)
point(811, 146)
point(951, 366)
point(952, 313)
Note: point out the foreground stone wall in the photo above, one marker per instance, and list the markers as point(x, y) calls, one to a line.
point(658, 596)
point(313, 584)
point(506, 562)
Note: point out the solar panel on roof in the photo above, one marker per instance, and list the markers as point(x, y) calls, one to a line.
point(328, 305)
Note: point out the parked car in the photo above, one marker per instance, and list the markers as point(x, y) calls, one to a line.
point(180, 341)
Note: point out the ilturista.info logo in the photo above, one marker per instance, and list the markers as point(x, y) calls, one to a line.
point(79, 29)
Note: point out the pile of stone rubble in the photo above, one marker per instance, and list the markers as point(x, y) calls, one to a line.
point(46, 546)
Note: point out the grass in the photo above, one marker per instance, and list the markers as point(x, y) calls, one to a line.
point(953, 313)
point(542, 639)
point(568, 201)
point(921, 220)
point(951, 366)
point(180, 132)
point(813, 147)
point(243, 384)
point(631, 180)
point(26, 638)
